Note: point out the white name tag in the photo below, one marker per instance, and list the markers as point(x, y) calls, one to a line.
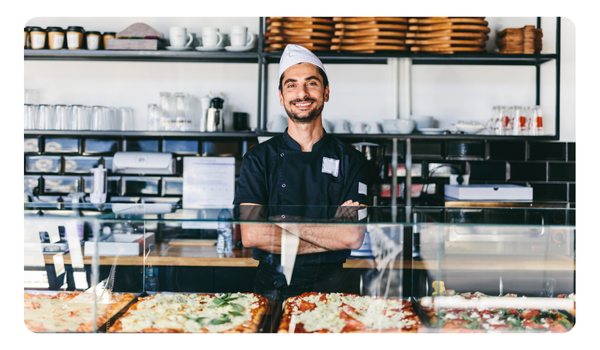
point(331, 166)
point(362, 188)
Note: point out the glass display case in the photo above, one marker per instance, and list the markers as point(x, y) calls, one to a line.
point(291, 269)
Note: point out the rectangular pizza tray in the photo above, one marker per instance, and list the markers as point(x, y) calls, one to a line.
point(428, 324)
point(265, 323)
point(101, 327)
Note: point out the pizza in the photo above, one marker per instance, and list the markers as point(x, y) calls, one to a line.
point(347, 313)
point(71, 311)
point(194, 313)
point(572, 297)
point(483, 320)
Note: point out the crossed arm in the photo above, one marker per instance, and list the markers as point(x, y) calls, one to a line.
point(314, 238)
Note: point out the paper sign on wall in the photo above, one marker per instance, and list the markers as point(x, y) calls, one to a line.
point(208, 182)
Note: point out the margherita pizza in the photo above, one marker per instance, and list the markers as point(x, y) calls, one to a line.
point(70, 311)
point(194, 313)
point(478, 320)
point(347, 313)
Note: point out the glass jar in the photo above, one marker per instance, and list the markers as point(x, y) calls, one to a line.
point(26, 37)
point(75, 37)
point(56, 38)
point(93, 40)
point(38, 38)
point(106, 36)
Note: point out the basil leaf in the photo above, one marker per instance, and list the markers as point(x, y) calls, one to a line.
point(218, 301)
point(237, 307)
point(216, 321)
point(235, 313)
point(470, 319)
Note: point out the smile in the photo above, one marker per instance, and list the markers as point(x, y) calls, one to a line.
point(305, 104)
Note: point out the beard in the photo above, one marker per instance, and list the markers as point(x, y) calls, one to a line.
point(312, 115)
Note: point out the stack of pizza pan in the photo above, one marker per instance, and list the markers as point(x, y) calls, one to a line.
point(369, 34)
point(520, 40)
point(314, 33)
point(447, 35)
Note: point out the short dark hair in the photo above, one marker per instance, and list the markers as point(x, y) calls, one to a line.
point(321, 71)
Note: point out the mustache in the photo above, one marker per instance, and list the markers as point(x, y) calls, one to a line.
point(303, 100)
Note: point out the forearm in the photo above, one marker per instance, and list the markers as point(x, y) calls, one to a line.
point(267, 237)
point(328, 237)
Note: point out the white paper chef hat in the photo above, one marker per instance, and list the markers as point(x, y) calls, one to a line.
point(294, 54)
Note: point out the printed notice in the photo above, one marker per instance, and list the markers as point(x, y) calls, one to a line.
point(208, 182)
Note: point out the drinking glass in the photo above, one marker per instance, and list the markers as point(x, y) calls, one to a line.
point(154, 117)
point(82, 115)
point(538, 121)
point(31, 114)
point(45, 117)
point(181, 111)
point(126, 116)
point(167, 104)
point(63, 118)
point(113, 119)
point(99, 121)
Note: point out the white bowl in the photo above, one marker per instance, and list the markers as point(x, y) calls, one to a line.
point(470, 128)
point(423, 122)
point(405, 126)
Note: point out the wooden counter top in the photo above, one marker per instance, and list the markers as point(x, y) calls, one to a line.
point(175, 255)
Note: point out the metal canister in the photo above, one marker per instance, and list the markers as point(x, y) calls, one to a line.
point(214, 116)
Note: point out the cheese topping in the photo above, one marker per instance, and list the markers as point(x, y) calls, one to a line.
point(373, 313)
point(189, 313)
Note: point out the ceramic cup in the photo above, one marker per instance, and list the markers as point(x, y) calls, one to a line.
point(341, 127)
point(211, 37)
point(404, 125)
point(423, 122)
point(277, 123)
point(240, 37)
point(373, 128)
point(358, 128)
point(178, 37)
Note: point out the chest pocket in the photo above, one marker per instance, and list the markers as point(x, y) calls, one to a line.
point(334, 191)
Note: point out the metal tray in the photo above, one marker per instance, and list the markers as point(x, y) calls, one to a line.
point(428, 324)
point(421, 313)
point(266, 323)
point(102, 328)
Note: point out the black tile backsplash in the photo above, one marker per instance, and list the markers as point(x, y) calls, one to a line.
point(219, 148)
point(429, 150)
point(547, 166)
point(513, 150)
point(31, 145)
point(95, 146)
point(466, 150)
point(527, 171)
point(141, 145)
point(549, 192)
point(547, 151)
point(180, 146)
point(561, 171)
point(571, 151)
point(56, 145)
point(572, 193)
point(488, 171)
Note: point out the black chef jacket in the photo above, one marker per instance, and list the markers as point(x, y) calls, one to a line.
point(277, 174)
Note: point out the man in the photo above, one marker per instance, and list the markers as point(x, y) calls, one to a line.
point(302, 175)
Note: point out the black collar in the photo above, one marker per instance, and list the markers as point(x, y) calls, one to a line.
point(292, 144)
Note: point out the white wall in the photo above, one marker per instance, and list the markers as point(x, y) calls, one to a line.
point(358, 92)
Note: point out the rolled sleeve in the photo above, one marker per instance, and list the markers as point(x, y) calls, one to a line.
point(252, 184)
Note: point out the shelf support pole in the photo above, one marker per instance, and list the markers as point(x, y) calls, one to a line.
point(405, 87)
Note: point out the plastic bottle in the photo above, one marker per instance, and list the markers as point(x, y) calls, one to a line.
point(225, 238)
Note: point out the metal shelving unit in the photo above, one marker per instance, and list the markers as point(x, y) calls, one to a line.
point(264, 58)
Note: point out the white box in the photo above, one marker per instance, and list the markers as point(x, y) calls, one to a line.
point(123, 245)
point(489, 192)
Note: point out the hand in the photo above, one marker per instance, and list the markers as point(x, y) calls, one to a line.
point(348, 210)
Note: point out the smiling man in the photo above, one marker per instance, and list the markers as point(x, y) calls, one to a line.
point(303, 175)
